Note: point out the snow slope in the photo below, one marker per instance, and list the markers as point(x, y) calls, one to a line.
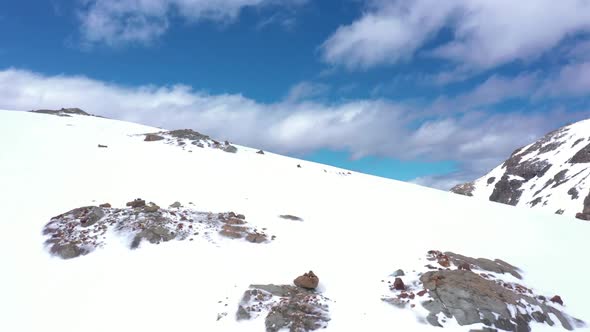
point(551, 174)
point(356, 230)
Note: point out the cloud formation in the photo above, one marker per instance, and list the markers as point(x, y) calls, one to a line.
point(116, 22)
point(377, 127)
point(485, 34)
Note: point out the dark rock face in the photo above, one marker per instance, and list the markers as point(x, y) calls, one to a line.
point(465, 189)
point(308, 280)
point(491, 180)
point(138, 202)
point(260, 152)
point(398, 284)
point(582, 156)
point(288, 307)
point(230, 149)
point(573, 192)
point(507, 191)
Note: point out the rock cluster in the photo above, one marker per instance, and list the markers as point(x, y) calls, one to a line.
point(65, 112)
point(473, 291)
point(182, 137)
point(80, 231)
point(286, 307)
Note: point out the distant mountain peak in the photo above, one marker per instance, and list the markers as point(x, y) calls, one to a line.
point(549, 173)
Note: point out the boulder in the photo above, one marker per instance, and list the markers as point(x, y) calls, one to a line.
point(153, 138)
point(308, 281)
point(260, 152)
point(398, 284)
point(138, 202)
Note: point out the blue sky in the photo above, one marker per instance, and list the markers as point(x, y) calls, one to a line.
point(425, 91)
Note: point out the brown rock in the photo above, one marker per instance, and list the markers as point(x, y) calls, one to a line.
point(422, 292)
point(557, 299)
point(308, 280)
point(152, 138)
point(398, 284)
point(234, 221)
point(256, 238)
point(464, 266)
point(583, 216)
point(136, 203)
point(105, 205)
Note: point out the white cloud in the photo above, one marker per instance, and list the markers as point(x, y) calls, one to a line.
point(477, 141)
point(122, 21)
point(485, 33)
point(572, 80)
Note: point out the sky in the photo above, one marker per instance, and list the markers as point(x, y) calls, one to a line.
point(428, 91)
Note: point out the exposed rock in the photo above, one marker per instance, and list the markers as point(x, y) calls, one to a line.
point(288, 307)
point(66, 112)
point(153, 137)
point(582, 156)
point(398, 273)
point(491, 180)
point(560, 211)
point(151, 208)
point(188, 134)
point(176, 205)
point(507, 191)
point(583, 216)
point(260, 152)
point(579, 140)
point(559, 178)
point(536, 201)
point(102, 146)
point(465, 189)
point(587, 204)
point(155, 234)
point(82, 230)
point(105, 205)
point(398, 284)
point(290, 217)
point(556, 299)
point(497, 265)
point(256, 238)
point(138, 202)
point(230, 149)
point(308, 281)
point(573, 192)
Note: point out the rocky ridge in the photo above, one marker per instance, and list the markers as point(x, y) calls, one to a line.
point(551, 174)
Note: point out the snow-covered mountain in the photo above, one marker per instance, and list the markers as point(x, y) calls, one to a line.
point(114, 226)
point(550, 174)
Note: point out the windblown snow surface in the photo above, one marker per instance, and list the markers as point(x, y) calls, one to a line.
point(355, 231)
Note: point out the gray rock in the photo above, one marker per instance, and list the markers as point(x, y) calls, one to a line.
point(290, 307)
point(68, 251)
point(573, 192)
point(465, 189)
point(155, 234)
point(398, 273)
point(151, 208)
point(230, 149)
point(507, 191)
point(188, 134)
point(176, 205)
point(491, 180)
point(290, 217)
point(582, 156)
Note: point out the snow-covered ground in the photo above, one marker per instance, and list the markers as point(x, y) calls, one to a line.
point(356, 230)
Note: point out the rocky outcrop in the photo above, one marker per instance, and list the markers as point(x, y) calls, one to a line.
point(81, 231)
point(290, 217)
point(582, 156)
point(465, 189)
point(476, 291)
point(507, 191)
point(286, 307)
point(65, 112)
point(533, 175)
point(182, 137)
point(585, 214)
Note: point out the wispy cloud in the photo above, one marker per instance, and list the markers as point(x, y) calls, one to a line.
point(117, 22)
point(486, 33)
